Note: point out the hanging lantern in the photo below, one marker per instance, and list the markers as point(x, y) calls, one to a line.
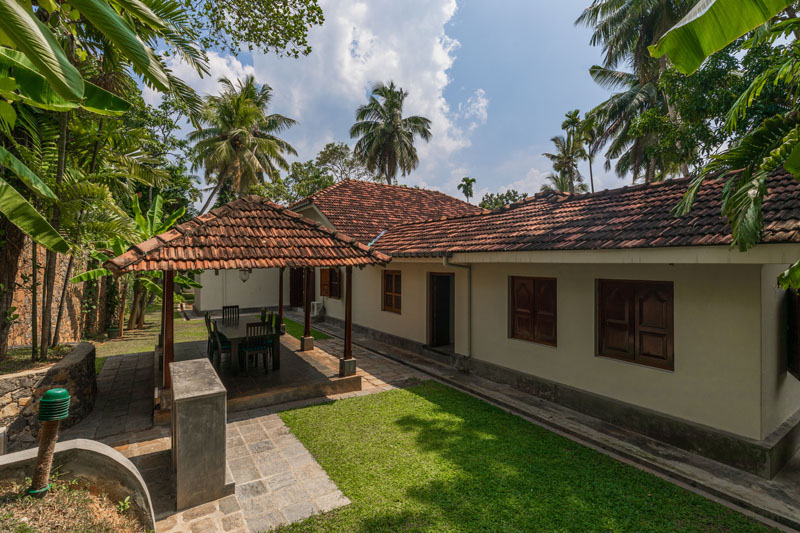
point(244, 274)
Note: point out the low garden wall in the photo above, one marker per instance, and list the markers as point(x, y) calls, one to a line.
point(20, 394)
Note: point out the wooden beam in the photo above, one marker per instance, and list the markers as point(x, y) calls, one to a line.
point(348, 314)
point(307, 291)
point(280, 294)
point(168, 315)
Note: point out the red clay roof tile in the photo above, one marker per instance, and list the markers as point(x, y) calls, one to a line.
point(250, 232)
point(630, 217)
point(363, 209)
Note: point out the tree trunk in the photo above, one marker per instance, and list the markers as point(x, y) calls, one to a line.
point(674, 117)
point(142, 310)
point(137, 287)
point(50, 258)
point(124, 297)
point(34, 301)
point(591, 175)
point(651, 171)
point(212, 195)
point(11, 242)
point(62, 303)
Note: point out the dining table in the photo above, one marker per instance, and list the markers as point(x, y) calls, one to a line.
point(236, 333)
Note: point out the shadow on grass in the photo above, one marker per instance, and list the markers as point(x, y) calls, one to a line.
point(432, 458)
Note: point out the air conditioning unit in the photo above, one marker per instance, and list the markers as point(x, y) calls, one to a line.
point(316, 308)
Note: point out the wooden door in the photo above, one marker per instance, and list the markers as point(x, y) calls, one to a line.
point(441, 309)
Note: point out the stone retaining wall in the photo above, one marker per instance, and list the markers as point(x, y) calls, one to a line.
point(20, 394)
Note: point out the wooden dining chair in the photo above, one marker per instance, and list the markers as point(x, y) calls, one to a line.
point(210, 344)
point(230, 314)
point(258, 342)
point(222, 344)
point(263, 314)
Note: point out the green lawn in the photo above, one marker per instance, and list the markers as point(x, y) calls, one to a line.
point(143, 340)
point(431, 458)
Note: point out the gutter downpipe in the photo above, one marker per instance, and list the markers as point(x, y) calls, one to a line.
point(446, 262)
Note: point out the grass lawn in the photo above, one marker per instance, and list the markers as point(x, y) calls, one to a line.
point(431, 458)
point(143, 340)
point(19, 359)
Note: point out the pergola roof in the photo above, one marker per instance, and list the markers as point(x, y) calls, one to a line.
point(250, 232)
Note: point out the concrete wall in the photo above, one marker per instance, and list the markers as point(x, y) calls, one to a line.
point(225, 288)
point(780, 391)
point(105, 470)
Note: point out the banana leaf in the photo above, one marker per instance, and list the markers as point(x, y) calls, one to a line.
point(23, 215)
point(26, 175)
point(91, 275)
point(710, 26)
point(34, 89)
point(35, 40)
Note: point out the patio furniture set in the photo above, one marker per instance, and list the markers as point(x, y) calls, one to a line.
point(242, 341)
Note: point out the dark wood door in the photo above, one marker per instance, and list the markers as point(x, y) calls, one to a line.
point(441, 295)
point(296, 287)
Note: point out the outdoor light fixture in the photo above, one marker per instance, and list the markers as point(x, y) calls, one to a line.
point(244, 274)
point(53, 408)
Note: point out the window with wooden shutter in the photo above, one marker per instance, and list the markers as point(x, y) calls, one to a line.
point(635, 321)
point(325, 282)
point(335, 281)
point(532, 309)
point(391, 291)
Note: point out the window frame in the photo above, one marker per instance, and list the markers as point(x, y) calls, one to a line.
point(638, 287)
point(533, 312)
point(335, 283)
point(395, 295)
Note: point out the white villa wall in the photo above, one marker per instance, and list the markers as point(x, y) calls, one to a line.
point(780, 391)
point(718, 342)
point(225, 288)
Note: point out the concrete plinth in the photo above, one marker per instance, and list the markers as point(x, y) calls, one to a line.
point(347, 367)
point(306, 343)
point(199, 419)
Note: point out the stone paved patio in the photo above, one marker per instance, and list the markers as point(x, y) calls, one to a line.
point(277, 479)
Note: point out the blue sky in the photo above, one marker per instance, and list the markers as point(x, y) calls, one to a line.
point(494, 77)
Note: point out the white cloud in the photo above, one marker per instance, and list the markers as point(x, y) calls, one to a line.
point(360, 43)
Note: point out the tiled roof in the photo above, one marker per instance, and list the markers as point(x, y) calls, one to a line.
point(630, 217)
point(363, 209)
point(250, 232)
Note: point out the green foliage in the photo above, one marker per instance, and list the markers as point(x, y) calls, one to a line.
point(340, 162)
point(466, 186)
point(496, 201)
point(237, 144)
point(264, 25)
point(386, 139)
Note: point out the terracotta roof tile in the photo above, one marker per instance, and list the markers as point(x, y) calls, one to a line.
point(249, 232)
point(363, 209)
point(630, 217)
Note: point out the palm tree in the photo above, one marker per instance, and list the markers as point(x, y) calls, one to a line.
point(386, 139)
point(560, 182)
point(466, 186)
point(569, 151)
point(238, 146)
point(625, 29)
point(591, 138)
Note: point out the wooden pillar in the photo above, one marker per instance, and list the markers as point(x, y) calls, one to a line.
point(280, 295)
point(307, 310)
point(348, 313)
point(168, 315)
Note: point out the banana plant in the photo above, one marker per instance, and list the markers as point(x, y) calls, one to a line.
point(148, 225)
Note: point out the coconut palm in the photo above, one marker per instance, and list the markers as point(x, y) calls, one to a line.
point(386, 139)
point(625, 29)
point(237, 144)
point(591, 140)
point(569, 151)
point(560, 182)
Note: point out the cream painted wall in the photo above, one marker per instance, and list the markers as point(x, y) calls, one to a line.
point(780, 391)
point(412, 322)
point(225, 288)
point(717, 343)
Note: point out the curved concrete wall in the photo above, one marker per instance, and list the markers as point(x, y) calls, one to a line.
point(103, 467)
